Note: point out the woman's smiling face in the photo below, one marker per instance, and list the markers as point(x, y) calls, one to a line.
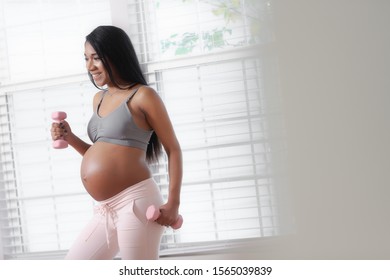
point(95, 66)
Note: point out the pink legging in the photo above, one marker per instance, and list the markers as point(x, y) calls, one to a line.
point(119, 225)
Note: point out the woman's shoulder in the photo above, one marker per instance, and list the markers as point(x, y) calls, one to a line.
point(146, 96)
point(145, 93)
point(99, 94)
point(146, 90)
point(97, 97)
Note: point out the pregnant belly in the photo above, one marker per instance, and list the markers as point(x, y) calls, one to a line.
point(107, 169)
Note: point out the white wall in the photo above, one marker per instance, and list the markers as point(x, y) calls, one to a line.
point(334, 59)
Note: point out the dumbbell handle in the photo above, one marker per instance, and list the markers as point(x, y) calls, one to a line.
point(58, 117)
point(152, 214)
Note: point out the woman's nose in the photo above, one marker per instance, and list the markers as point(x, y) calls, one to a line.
point(89, 64)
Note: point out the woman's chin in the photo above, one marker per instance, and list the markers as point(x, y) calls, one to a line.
point(100, 83)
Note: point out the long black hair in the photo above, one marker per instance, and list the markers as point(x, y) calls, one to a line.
point(114, 48)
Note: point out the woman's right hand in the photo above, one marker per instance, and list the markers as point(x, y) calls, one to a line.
point(60, 130)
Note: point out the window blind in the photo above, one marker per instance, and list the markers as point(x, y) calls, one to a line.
point(42, 196)
point(202, 56)
point(3, 47)
point(42, 203)
point(227, 186)
point(54, 32)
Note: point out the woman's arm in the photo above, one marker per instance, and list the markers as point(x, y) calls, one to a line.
point(79, 145)
point(63, 130)
point(157, 117)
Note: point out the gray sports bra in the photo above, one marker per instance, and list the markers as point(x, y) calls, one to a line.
point(118, 127)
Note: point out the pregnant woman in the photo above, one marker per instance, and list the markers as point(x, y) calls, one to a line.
point(128, 126)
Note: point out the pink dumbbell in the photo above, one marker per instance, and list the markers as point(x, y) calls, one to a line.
point(152, 214)
point(58, 117)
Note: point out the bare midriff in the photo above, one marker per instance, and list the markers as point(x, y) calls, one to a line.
point(108, 169)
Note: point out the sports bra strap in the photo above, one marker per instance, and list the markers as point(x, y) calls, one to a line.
point(106, 90)
point(131, 95)
point(101, 99)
